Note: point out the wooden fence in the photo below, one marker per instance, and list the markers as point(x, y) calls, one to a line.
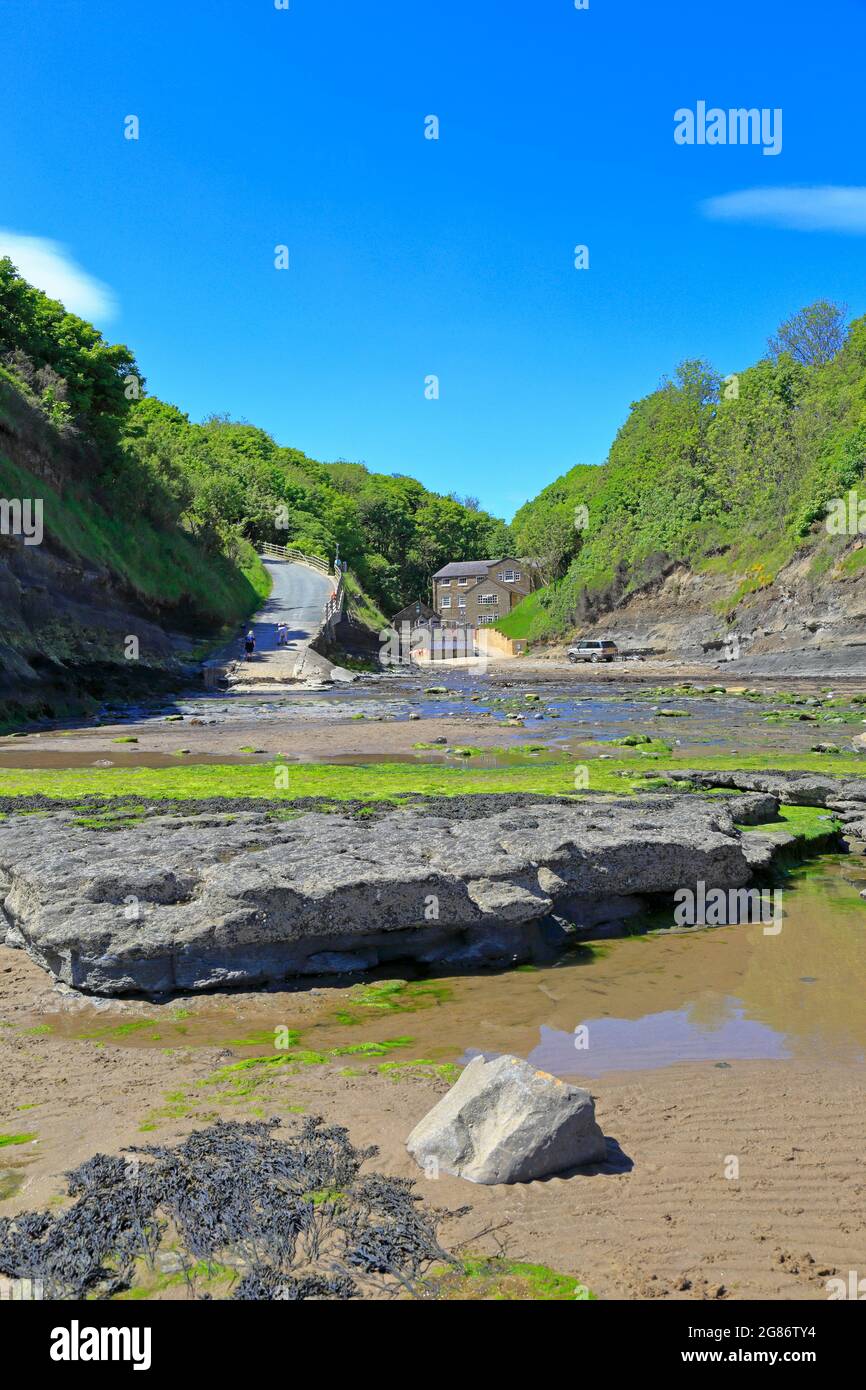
point(286, 552)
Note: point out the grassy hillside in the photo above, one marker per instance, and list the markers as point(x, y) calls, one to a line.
point(161, 568)
point(730, 475)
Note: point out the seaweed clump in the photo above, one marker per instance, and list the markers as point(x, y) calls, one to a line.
point(291, 1218)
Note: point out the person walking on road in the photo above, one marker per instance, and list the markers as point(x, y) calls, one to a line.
point(249, 645)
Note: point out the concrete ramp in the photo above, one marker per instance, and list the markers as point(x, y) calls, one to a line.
point(312, 666)
point(299, 597)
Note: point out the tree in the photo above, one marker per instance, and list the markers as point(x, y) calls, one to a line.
point(444, 531)
point(699, 383)
point(38, 330)
point(547, 535)
point(387, 518)
point(813, 335)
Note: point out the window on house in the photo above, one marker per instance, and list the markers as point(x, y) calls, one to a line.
point(488, 598)
point(446, 603)
point(445, 583)
point(509, 576)
point(463, 581)
point(487, 618)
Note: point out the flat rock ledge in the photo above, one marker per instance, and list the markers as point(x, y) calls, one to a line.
point(845, 796)
point(179, 903)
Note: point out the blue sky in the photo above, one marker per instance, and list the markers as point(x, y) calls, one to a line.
point(411, 257)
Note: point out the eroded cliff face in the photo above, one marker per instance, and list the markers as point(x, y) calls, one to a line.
point(800, 624)
point(64, 634)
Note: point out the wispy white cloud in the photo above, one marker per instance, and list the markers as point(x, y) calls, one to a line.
point(50, 267)
point(823, 209)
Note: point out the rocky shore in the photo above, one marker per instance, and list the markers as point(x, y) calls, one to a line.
point(183, 902)
point(844, 796)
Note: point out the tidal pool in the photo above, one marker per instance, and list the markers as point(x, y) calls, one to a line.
point(718, 994)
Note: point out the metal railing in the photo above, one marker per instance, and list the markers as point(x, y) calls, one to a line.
point(334, 606)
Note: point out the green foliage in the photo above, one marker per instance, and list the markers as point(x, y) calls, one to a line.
point(402, 533)
point(530, 618)
point(813, 335)
point(361, 609)
point(59, 357)
point(67, 400)
point(547, 534)
point(732, 476)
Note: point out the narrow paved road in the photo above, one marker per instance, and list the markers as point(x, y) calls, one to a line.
point(298, 597)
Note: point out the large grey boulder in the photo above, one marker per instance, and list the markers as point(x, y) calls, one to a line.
point(503, 1121)
point(753, 808)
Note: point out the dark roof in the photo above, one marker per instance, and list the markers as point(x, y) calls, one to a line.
point(478, 568)
point(418, 609)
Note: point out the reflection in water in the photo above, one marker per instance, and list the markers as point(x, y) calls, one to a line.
point(616, 1044)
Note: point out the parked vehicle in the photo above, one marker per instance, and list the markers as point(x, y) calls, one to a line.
point(593, 651)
